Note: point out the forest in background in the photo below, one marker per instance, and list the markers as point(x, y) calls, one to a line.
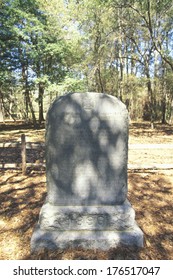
point(119, 47)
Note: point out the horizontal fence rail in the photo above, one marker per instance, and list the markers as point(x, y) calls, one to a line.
point(32, 145)
point(130, 166)
point(29, 145)
point(23, 146)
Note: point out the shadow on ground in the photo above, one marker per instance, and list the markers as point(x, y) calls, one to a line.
point(151, 195)
point(144, 129)
point(21, 198)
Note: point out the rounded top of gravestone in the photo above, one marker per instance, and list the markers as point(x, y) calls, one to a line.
point(89, 101)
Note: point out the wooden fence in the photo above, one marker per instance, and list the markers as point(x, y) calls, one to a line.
point(23, 146)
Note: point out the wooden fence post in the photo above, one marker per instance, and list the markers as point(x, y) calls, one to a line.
point(23, 153)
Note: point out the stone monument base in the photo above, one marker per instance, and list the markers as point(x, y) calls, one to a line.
point(90, 227)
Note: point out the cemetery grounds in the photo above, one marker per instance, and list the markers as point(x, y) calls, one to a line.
point(150, 191)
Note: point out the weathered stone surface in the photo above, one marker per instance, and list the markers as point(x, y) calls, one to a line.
point(87, 143)
point(87, 239)
point(119, 217)
point(86, 169)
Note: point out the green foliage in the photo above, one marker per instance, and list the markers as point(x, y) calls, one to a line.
point(71, 84)
point(49, 48)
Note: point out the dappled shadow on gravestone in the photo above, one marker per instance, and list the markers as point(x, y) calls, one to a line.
point(86, 153)
point(86, 163)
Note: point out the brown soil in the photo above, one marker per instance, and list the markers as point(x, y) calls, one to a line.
point(150, 192)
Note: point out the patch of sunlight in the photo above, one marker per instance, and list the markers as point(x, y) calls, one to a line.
point(167, 246)
point(2, 224)
point(15, 135)
point(8, 247)
point(35, 136)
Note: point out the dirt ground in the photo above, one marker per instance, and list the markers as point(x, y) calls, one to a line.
point(149, 191)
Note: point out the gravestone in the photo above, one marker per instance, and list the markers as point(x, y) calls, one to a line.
point(86, 170)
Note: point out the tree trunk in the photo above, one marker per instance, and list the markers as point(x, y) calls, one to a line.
point(163, 102)
point(31, 109)
point(40, 102)
point(28, 102)
point(120, 84)
point(163, 93)
point(25, 86)
point(1, 109)
point(163, 111)
point(121, 59)
point(101, 89)
point(151, 98)
point(171, 114)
